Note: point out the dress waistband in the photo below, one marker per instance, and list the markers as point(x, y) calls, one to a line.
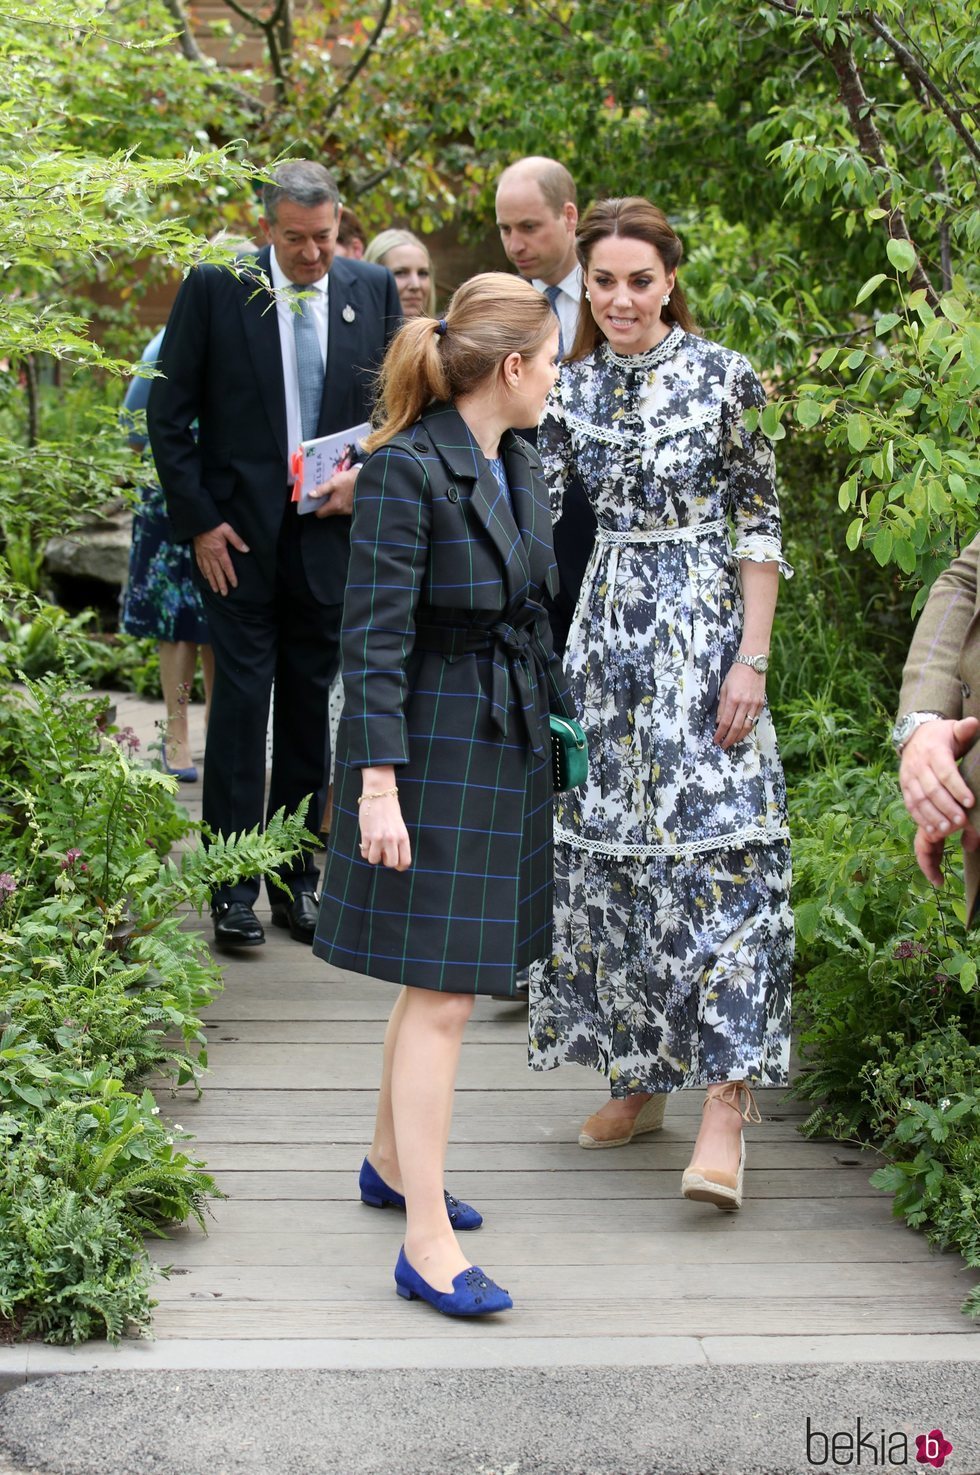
point(690, 534)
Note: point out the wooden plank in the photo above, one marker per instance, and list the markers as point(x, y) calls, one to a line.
point(657, 1152)
point(609, 1282)
point(532, 1317)
point(631, 1189)
point(545, 1217)
point(280, 1248)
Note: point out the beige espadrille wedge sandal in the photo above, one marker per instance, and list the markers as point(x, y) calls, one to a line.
point(712, 1185)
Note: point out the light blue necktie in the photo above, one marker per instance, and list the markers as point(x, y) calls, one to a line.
point(553, 294)
point(309, 365)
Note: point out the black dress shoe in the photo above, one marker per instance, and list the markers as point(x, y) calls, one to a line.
point(299, 916)
point(236, 925)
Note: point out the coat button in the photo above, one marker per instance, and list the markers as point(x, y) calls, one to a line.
point(452, 494)
point(421, 445)
point(966, 690)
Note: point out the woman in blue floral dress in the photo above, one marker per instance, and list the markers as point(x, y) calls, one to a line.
point(160, 600)
point(673, 929)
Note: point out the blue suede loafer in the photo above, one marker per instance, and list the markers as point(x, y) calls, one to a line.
point(473, 1292)
point(375, 1191)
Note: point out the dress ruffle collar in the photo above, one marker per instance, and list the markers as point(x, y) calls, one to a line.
point(641, 363)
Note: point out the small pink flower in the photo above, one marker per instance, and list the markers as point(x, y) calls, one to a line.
point(126, 738)
point(7, 886)
point(70, 858)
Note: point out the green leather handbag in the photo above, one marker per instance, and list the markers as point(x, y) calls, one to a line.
point(569, 754)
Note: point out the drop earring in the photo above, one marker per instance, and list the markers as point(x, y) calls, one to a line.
point(666, 299)
point(588, 295)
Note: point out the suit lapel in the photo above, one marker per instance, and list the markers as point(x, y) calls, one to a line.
point(345, 311)
point(261, 322)
point(465, 460)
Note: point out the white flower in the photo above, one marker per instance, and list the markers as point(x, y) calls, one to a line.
point(944, 1105)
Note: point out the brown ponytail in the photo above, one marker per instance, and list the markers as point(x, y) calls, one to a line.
point(637, 219)
point(489, 317)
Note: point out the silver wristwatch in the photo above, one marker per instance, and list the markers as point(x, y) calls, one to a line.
point(905, 726)
point(758, 663)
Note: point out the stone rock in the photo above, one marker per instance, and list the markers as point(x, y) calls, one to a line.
point(98, 550)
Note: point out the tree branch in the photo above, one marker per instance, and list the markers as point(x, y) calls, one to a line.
point(188, 42)
point(861, 113)
point(916, 73)
point(361, 62)
point(194, 54)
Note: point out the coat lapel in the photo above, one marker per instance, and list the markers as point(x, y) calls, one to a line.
point(531, 507)
point(261, 322)
point(345, 320)
point(466, 462)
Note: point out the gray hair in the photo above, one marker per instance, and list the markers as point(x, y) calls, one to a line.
point(302, 181)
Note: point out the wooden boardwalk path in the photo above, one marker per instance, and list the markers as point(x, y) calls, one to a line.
point(604, 1259)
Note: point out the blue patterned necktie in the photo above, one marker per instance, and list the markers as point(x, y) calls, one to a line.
point(553, 294)
point(309, 365)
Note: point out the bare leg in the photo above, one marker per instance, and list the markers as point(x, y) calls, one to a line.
point(423, 1077)
point(718, 1144)
point(382, 1154)
point(177, 663)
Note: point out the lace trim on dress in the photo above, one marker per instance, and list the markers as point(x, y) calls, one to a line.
point(690, 533)
point(670, 430)
point(735, 839)
point(651, 358)
point(758, 548)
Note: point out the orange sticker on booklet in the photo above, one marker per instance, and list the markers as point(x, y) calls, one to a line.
point(317, 461)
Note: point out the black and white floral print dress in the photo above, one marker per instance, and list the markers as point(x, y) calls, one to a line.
point(673, 929)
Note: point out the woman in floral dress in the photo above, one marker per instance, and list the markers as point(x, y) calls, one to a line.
point(673, 929)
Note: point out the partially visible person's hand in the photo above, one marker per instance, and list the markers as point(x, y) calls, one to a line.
point(384, 838)
point(933, 789)
point(213, 558)
point(742, 698)
point(337, 494)
point(929, 851)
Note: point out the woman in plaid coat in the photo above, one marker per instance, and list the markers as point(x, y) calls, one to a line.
point(439, 872)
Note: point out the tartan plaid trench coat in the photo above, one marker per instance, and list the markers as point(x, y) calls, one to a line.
point(449, 674)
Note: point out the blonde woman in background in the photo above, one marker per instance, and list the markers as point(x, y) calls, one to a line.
point(410, 264)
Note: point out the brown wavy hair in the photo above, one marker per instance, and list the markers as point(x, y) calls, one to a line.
point(489, 317)
point(637, 219)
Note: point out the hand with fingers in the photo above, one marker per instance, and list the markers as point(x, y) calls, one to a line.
point(742, 698)
point(929, 851)
point(214, 559)
point(384, 838)
point(933, 789)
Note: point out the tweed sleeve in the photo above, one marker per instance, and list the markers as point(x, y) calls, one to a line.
point(389, 552)
point(555, 449)
point(751, 467)
point(931, 678)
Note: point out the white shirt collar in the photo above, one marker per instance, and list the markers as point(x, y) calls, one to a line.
point(281, 282)
point(571, 285)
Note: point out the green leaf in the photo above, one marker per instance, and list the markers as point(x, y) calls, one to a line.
point(853, 535)
point(901, 254)
point(858, 431)
point(881, 546)
point(870, 286)
point(886, 322)
point(956, 484)
point(905, 555)
point(807, 413)
point(827, 358)
point(952, 308)
point(931, 452)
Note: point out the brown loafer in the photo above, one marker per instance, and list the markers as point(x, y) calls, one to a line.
point(600, 1131)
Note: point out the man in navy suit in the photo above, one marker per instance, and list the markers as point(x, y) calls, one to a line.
point(259, 373)
point(537, 213)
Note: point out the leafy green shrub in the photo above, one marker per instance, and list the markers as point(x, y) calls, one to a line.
point(100, 983)
point(924, 1108)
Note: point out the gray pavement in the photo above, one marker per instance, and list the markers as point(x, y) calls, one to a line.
point(529, 1421)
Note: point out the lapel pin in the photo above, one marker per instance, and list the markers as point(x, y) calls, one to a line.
point(348, 314)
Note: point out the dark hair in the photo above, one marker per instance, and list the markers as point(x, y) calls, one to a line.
point(350, 228)
point(489, 317)
point(303, 182)
point(638, 220)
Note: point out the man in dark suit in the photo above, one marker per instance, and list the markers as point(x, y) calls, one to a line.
point(259, 373)
point(536, 215)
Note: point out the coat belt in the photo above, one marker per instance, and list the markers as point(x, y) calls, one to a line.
point(519, 659)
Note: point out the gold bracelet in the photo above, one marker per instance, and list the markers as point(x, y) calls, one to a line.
point(381, 794)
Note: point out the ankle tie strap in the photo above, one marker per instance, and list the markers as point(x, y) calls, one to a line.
point(739, 1097)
